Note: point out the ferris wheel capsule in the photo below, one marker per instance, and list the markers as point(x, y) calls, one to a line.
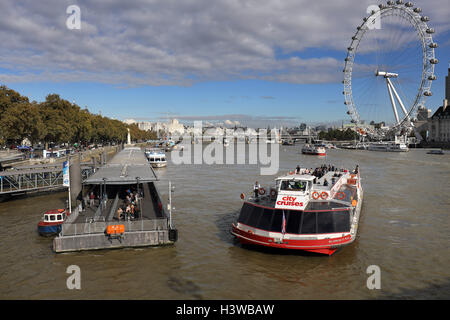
point(434, 61)
point(409, 4)
point(427, 93)
point(417, 10)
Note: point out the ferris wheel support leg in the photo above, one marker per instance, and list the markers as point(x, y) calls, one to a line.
point(392, 100)
point(398, 99)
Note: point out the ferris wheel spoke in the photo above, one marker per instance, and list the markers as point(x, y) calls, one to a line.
point(386, 69)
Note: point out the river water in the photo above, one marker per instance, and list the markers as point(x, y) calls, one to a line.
point(404, 230)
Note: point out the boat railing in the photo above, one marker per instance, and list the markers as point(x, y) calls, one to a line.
point(99, 227)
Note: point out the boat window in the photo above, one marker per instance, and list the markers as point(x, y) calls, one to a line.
point(293, 222)
point(309, 223)
point(254, 217)
point(45, 218)
point(59, 217)
point(293, 185)
point(276, 221)
point(152, 159)
point(245, 213)
point(52, 218)
point(265, 220)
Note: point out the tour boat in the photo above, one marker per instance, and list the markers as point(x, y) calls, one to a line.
point(388, 146)
point(156, 157)
point(314, 150)
point(51, 222)
point(315, 212)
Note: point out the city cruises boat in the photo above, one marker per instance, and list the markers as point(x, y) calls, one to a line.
point(51, 222)
point(317, 150)
point(315, 212)
point(156, 157)
point(439, 151)
point(388, 146)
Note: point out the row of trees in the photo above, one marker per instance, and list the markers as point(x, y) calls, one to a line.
point(59, 121)
point(336, 134)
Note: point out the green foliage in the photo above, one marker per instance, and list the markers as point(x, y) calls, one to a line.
point(336, 134)
point(57, 120)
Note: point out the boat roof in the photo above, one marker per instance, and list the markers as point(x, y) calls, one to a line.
point(54, 211)
point(126, 167)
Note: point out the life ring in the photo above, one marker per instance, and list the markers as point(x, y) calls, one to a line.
point(61, 210)
point(341, 196)
point(242, 196)
point(273, 193)
point(315, 195)
point(262, 191)
point(324, 195)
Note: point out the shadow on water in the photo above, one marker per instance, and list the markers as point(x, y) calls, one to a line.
point(183, 286)
point(431, 292)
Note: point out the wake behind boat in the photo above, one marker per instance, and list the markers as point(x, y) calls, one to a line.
point(316, 212)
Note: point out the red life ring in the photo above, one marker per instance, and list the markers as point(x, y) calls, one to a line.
point(341, 196)
point(242, 196)
point(324, 195)
point(273, 193)
point(315, 195)
point(262, 191)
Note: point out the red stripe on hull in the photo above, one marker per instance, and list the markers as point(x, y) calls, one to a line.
point(323, 246)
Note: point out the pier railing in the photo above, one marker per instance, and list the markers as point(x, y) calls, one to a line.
point(73, 229)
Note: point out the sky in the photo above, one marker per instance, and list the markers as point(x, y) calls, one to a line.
point(252, 62)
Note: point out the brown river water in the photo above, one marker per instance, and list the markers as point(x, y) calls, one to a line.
point(404, 230)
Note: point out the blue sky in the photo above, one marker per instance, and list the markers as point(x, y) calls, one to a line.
point(255, 62)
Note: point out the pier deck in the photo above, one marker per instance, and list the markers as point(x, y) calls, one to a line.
point(127, 171)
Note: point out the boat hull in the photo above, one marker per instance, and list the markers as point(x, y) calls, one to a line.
point(159, 165)
point(315, 153)
point(325, 246)
point(48, 230)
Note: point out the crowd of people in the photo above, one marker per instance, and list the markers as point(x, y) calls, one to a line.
point(130, 208)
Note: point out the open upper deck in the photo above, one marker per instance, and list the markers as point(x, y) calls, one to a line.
point(127, 167)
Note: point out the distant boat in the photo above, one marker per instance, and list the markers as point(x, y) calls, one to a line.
point(51, 222)
point(156, 157)
point(388, 146)
point(316, 150)
point(439, 151)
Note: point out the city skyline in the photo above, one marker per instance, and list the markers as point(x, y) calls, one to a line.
point(259, 65)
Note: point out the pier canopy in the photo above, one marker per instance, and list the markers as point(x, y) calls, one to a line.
point(127, 167)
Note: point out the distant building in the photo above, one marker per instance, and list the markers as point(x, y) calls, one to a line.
point(439, 122)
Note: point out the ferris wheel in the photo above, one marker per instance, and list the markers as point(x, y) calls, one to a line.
point(389, 67)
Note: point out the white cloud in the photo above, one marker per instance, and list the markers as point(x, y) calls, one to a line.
point(180, 42)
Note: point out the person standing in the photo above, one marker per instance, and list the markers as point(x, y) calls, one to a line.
point(91, 199)
point(256, 188)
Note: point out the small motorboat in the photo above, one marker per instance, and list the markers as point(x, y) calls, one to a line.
point(438, 151)
point(51, 222)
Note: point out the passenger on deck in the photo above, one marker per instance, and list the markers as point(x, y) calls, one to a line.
point(256, 188)
point(297, 170)
point(325, 182)
point(119, 213)
point(91, 199)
